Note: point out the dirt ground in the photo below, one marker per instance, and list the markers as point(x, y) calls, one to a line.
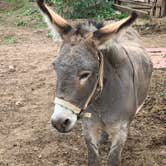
point(27, 89)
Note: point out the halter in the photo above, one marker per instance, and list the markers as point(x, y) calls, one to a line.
point(96, 91)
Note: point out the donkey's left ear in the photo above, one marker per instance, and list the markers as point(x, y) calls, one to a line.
point(55, 21)
point(105, 33)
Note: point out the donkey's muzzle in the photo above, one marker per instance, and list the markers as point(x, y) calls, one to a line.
point(61, 125)
point(63, 119)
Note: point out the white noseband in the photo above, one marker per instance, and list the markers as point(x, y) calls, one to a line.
point(67, 105)
point(76, 110)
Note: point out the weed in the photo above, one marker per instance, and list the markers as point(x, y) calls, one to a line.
point(21, 23)
point(9, 40)
point(29, 12)
point(41, 25)
point(16, 4)
point(163, 94)
point(121, 15)
point(49, 35)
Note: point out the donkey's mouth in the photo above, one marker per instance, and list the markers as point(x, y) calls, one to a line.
point(63, 130)
point(63, 126)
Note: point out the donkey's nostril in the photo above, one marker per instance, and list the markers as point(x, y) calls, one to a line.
point(66, 123)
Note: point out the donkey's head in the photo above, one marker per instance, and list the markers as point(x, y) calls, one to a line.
point(78, 66)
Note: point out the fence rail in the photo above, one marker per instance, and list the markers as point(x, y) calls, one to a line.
point(154, 8)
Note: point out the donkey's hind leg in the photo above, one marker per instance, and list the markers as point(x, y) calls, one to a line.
point(118, 141)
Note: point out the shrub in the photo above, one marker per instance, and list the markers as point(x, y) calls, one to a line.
point(84, 8)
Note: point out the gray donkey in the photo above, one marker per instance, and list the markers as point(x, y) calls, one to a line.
point(103, 75)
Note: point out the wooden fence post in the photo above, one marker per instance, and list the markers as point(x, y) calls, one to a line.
point(163, 8)
point(156, 8)
point(160, 8)
point(117, 2)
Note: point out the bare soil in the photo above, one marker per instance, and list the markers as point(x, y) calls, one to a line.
point(27, 89)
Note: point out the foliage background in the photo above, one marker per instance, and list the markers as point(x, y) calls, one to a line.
point(84, 8)
point(26, 12)
point(100, 9)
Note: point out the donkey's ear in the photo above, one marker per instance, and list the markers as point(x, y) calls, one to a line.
point(105, 33)
point(55, 21)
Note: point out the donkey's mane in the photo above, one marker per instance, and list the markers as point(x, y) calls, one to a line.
point(92, 26)
point(89, 26)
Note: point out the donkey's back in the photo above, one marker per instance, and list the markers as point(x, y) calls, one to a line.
point(139, 59)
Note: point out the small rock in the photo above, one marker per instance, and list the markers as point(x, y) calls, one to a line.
point(38, 31)
point(15, 144)
point(36, 149)
point(12, 68)
point(147, 28)
point(19, 103)
point(40, 156)
point(117, 12)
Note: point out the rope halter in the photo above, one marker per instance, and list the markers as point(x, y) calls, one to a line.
point(96, 91)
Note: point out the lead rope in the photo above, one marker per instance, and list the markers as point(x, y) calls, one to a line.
point(98, 82)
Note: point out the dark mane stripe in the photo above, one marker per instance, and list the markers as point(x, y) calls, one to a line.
point(85, 27)
point(96, 24)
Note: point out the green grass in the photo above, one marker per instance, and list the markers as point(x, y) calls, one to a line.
point(9, 40)
point(49, 35)
point(15, 4)
point(163, 94)
point(20, 23)
point(29, 12)
point(25, 13)
point(41, 24)
point(21, 13)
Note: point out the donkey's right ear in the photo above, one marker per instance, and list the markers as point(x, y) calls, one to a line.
point(107, 32)
point(55, 21)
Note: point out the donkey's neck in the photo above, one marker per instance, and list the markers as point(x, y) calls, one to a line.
point(113, 58)
point(113, 53)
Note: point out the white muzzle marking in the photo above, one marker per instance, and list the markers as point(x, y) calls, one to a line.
point(62, 113)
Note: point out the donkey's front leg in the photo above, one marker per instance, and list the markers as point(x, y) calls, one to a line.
point(93, 152)
point(94, 136)
point(118, 142)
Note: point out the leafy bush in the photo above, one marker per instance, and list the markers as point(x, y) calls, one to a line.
point(84, 8)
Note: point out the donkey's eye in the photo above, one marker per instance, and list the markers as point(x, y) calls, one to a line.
point(84, 75)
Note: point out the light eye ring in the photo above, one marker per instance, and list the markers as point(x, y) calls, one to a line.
point(84, 75)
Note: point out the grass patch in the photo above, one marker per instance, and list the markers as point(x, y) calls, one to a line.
point(49, 35)
point(21, 13)
point(21, 23)
point(9, 40)
point(41, 25)
point(29, 11)
point(163, 94)
point(14, 4)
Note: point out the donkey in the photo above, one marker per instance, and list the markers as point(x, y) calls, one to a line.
point(103, 75)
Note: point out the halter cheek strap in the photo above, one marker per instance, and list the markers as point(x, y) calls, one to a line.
point(76, 110)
